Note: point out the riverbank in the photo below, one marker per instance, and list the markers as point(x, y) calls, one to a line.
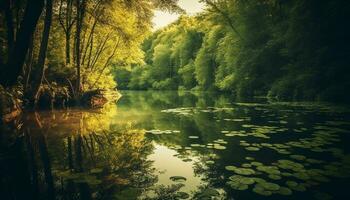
point(11, 101)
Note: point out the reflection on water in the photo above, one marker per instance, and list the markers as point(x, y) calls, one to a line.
point(169, 145)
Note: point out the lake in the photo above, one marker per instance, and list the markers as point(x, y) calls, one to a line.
point(178, 145)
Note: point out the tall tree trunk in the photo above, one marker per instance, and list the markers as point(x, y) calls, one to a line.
point(10, 27)
point(28, 65)
point(17, 56)
point(42, 51)
point(81, 5)
point(68, 48)
point(67, 25)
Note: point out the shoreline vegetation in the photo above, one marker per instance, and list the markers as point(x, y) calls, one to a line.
point(69, 52)
point(57, 53)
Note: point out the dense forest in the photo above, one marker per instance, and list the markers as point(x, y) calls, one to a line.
point(287, 50)
point(230, 99)
point(59, 52)
point(53, 51)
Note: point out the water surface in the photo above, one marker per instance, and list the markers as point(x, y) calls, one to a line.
point(170, 145)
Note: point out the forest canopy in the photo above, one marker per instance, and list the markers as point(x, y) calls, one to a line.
point(289, 50)
point(70, 46)
point(283, 49)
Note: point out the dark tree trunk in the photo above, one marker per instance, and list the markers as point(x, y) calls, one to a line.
point(42, 51)
point(67, 48)
point(67, 25)
point(10, 27)
point(17, 56)
point(28, 65)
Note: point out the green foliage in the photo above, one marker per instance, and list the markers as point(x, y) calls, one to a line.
point(289, 50)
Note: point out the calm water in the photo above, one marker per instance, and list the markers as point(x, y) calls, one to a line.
point(169, 145)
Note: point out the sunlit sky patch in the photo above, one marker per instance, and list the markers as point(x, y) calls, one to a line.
point(162, 19)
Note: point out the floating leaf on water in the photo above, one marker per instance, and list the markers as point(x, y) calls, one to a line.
point(241, 171)
point(244, 144)
point(285, 191)
point(209, 162)
point(208, 193)
point(291, 165)
point(259, 180)
point(178, 178)
point(256, 163)
point(242, 179)
point(248, 126)
point(291, 184)
point(274, 177)
point(249, 158)
point(230, 168)
point(237, 185)
point(182, 195)
point(269, 170)
point(266, 145)
point(252, 148)
point(269, 186)
point(225, 131)
point(246, 165)
point(238, 182)
point(220, 141)
point(301, 175)
point(286, 174)
point(187, 160)
point(260, 190)
point(298, 157)
point(219, 147)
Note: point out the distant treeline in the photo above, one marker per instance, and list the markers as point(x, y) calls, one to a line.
point(284, 49)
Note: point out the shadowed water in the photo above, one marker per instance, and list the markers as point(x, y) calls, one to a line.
point(170, 145)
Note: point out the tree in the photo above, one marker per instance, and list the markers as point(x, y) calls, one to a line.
point(14, 66)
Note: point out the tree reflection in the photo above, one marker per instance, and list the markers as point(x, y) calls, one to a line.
point(73, 155)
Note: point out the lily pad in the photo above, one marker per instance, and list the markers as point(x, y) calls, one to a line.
point(252, 148)
point(260, 190)
point(178, 178)
point(269, 186)
point(285, 191)
point(241, 171)
point(182, 195)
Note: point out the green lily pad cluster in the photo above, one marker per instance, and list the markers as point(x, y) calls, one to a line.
point(217, 144)
point(189, 111)
point(262, 187)
point(207, 193)
point(238, 182)
point(240, 171)
point(256, 131)
point(181, 111)
point(160, 132)
point(242, 119)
